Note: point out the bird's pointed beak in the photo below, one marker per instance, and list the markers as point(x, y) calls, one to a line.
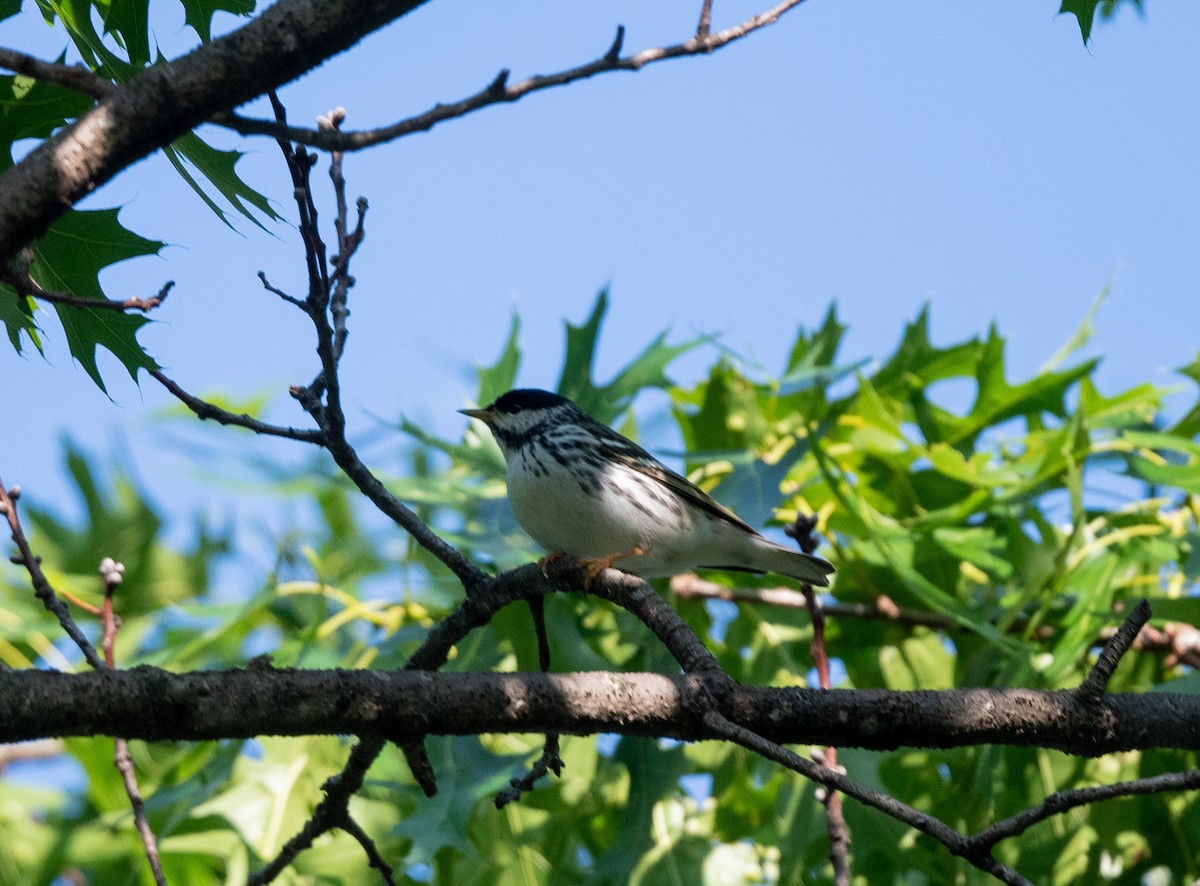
point(484, 415)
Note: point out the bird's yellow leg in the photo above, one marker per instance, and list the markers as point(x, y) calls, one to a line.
point(596, 565)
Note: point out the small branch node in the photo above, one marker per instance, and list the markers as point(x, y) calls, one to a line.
point(112, 572)
point(1094, 685)
point(705, 26)
point(332, 121)
point(420, 765)
point(499, 86)
point(614, 51)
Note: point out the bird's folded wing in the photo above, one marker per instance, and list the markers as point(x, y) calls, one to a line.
point(681, 486)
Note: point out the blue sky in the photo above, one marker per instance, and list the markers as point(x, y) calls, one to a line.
point(883, 155)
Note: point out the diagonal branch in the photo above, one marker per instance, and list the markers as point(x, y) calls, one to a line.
point(205, 411)
point(722, 728)
point(331, 813)
point(75, 77)
point(165, 101)
point(1064, 801)
point(41, 585)
point(499, 91)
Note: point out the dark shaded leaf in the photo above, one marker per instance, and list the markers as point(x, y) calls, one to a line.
point(128, 21)
point(89, 328)
point(34, 109)
point(198, 14)
point(217, 167)
point(1084, 12)
point(82, 243)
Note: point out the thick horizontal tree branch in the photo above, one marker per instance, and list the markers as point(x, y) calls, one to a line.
point(165, 101)
point(154, 705)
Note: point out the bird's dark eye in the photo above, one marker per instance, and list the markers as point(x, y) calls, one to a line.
point(516, 407)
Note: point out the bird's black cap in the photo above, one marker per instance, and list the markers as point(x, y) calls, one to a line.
point(526, 398)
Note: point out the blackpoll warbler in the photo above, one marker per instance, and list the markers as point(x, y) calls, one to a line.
point(580, 488)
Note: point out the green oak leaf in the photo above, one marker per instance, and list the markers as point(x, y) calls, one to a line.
point(494, 380)
point(16, 312)
point(575, 382)
point(1084, 12)
point(128, 21)
point(70, 257)
point(34, 109)
point(192, 152)
point(79, 245)
point(198, 14)
point(89, 328)
point(606, 401)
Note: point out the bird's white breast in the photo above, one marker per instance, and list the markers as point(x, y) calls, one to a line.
point(594, 510)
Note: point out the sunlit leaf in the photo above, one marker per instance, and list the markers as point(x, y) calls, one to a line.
point(16, 312)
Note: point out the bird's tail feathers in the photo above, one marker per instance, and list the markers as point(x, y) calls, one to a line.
point(771, 557)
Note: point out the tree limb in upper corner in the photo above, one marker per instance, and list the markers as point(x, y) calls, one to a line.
point(165, 101)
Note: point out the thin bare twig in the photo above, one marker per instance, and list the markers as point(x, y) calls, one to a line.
point(354, 829)
point(292, 300)
point(26, 285)
point(205, 410)
point(326, 308)
point(550, 760)
point(112, 573)
point(803, 531)
point(332, 812)
point(499, 91)
point(41, 585)
point(1178, 642)
point(1063, 801)
point(690, 586)
point(75, 77)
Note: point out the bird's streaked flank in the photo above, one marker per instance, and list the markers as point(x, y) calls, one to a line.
point(580, 488)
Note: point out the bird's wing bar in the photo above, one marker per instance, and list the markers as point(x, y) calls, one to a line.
point(682, 486)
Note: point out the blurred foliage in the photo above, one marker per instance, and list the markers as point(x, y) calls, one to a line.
point(1028, 512)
